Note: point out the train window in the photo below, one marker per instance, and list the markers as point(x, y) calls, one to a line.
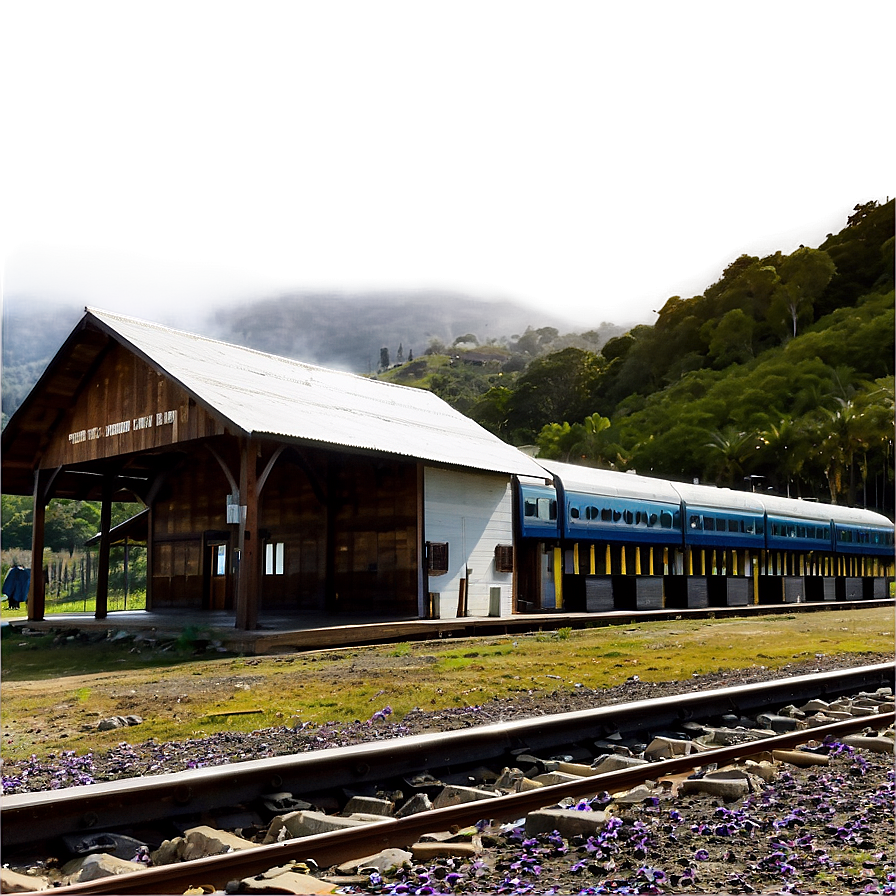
point(628, 517)
point(530, 507)
point(709, 523)
point(666, 520)
point(606, 515)
point(760, 527)
point(547, 509)
point(735, 525)
point(617, 515)
point(591, 512)
point(574, 512)
point(800, 531)
point(652, 520)
point(791, 531)
point(694, 521)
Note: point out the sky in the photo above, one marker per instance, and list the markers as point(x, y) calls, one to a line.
point(589, 159)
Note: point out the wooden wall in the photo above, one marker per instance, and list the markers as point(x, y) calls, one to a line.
point(126, 407)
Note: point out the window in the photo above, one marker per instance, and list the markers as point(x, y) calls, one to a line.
point(530, 507)
point(574, 512)
point(709, 524)
point(652, 520)
point(735, 526)
point(628, 517)
point(273, 558)
point(547, 509)
point(666, 520)
point(606, 515)
point(694, 521)
point(591, 513)
point(219, 564)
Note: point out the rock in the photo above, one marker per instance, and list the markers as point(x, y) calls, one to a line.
point(726, 789)
point(287, 882)
point(419, 802)
point(799, 758)
point(815, 706)
point(427, 851)
point(637, 795)
point(381, 861)
point(567, 822)
point(778, 723)
point(614, 762)
point(369, 805)
point(557, 777)
point(514, 781)
point(197, 843)
point(16, 882)
point(865, 742)
point(666, 748)
point(455, 795)
point(578, 769)
point(307, 823)
point(96, 866)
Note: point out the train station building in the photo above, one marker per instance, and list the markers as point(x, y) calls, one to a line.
point(269, 486)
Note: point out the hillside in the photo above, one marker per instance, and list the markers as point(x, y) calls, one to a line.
point(343, 330)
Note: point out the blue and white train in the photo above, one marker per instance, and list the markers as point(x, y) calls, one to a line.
point(600, 539)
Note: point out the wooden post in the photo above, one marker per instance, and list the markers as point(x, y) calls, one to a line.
point(102, 576)
point(248, 582)
point(37, 588)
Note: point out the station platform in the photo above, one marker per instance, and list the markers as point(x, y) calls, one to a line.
point(290, 634)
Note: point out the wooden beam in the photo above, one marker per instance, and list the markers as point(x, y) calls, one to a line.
point(37, 588)
point(249, 578)
point(102, 578)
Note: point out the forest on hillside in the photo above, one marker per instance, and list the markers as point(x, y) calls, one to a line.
point(778, 377)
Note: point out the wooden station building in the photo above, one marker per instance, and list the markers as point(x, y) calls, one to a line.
point(269, 486)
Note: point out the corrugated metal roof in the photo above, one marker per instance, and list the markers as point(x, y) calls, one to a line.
point(266, 395)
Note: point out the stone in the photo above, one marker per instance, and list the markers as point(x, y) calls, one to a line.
point(778, 723)
point(567, 822)
point(427, 851)
point(874, 744)
point(290, 882)
point(369, 805)
point(557, 777)
point(725, 789)
point(514, 781)
point(799, 758)
point(16, 882)
point(197, 843)
point(384, 860)
point(666, 748)
point(455, 795)
point(815, 706)
point(578, 769)
point(307, 823)
point(419, 802)
point(637, 795)
point(96, 866)
point(614, 762)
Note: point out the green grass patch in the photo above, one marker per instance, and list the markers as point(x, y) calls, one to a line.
point(50, 691)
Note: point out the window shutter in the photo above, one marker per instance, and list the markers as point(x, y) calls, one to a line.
point(503, 558)
point(437, 557)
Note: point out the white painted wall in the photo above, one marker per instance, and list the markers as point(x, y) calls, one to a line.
point(473, 512)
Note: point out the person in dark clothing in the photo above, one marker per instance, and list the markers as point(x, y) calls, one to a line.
point(15, 586)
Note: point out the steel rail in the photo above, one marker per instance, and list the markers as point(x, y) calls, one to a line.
point(341, 846)
point(133, 801)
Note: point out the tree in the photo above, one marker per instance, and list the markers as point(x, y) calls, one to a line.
point(384, 358)
point(803, 276)
point(731, 339)
point(729, 450)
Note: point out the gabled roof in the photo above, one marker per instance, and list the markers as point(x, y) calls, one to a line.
point(264, 395)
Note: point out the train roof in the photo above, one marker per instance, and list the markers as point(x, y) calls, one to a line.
point(610, 482)
point(613, 483)
point(813, 510)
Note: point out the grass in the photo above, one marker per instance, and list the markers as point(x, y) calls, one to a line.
point(53, 696)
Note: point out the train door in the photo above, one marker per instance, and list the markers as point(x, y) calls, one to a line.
point(217, 576)
point(548, 589)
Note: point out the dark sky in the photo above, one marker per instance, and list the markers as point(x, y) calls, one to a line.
point(592, 158)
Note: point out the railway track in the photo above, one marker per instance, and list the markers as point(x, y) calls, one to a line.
point(199, 796)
